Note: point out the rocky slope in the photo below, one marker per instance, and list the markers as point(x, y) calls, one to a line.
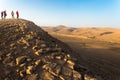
point(29, 53)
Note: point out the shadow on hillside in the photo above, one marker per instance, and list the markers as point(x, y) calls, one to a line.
point(100, 62)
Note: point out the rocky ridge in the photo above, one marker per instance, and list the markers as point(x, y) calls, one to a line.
point(29, 53)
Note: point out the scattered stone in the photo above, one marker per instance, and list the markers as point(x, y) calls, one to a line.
point(28, 70)
point(28, 53)
point(20, 60)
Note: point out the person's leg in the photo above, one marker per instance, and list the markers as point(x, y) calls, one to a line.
point(17, 16)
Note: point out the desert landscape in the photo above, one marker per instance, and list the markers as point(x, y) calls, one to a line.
point(60, 40)
point(27, 52)
point(97, 48)
point(32, 52)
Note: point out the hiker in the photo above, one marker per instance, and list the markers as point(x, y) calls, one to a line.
point(5, 14)
point(2, 15)
point(12, 14)
point(17, 13)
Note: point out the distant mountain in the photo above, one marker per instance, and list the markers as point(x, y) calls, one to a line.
point(102, 34)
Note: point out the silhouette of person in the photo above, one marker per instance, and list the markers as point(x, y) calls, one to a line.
point(12, 14)
point(17, 13)
point(5, 14)
point(2, 15)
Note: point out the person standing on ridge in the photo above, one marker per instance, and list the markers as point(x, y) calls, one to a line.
point(17, 13)
point(12, 14)
point(2, 15)
point(5, 14)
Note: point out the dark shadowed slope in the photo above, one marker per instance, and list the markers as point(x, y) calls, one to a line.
point(98, 47)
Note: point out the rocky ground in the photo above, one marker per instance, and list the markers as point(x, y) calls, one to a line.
point(29, 53)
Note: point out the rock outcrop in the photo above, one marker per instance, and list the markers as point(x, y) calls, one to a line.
point(29, 53)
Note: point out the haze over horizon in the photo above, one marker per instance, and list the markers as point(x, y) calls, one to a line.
point(74, 13)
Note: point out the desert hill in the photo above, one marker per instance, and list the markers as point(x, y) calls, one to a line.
point(99, 48)
point(27, 52)
point(102, 34)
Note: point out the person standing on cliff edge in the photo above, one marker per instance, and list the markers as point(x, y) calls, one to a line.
point(12, 14)
point(2, 15)
point(5, 14)
point(17, 13)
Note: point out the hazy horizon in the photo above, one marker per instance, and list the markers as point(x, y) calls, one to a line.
point(73, 13)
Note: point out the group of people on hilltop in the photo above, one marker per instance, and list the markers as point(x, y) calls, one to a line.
point(4, 14)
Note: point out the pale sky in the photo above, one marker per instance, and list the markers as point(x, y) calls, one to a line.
point(73, 13)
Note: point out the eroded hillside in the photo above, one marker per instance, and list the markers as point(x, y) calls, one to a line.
point(98, 48)
point(29, 53)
